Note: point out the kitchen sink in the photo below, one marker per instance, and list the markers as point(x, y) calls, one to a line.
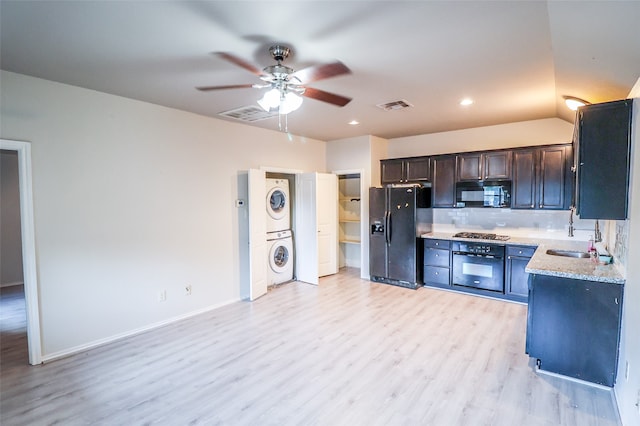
point(568, 253)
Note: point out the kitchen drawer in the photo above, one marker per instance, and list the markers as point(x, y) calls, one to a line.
point(442, 244)
point(436, 274)
point(520, 251)
point(436, 257)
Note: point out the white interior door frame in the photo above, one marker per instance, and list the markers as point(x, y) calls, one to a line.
point(27, 227)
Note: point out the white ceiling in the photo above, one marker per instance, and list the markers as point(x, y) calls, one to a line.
point(516, 59)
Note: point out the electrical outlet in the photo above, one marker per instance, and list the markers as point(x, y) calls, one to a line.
point(162, 296)
point(187, 290)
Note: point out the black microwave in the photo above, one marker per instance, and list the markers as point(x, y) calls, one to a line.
point(483, 194)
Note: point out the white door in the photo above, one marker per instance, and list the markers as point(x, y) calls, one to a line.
point(257, 234)
point(305, 237)
point(327, 216)
point(316, 237)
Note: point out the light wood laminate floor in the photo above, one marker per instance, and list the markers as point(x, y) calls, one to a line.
point(347, 352)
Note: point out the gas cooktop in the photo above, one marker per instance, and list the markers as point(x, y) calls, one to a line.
point(481, 236)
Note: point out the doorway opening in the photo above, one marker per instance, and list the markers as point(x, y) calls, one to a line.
point(28, 252)
point(13, 315)
point(352, 221)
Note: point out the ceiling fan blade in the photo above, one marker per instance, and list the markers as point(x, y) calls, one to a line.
point(323, 96)
point(231, 86)
point(320, 72)
point(240, 62)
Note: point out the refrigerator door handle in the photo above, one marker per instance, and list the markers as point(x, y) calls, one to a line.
point(388, 227)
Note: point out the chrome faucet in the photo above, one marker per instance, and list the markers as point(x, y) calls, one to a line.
point(571, 221)
point(597, 236)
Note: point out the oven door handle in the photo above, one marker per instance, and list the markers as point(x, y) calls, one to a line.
point(488, 256)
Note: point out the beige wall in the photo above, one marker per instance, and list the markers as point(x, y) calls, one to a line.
point(379, 151)
point(131, 199)
point(525, 133)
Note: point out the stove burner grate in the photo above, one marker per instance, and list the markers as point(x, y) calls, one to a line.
point(481, 236)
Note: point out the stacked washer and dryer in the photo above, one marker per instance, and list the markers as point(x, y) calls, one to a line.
point(279, 235)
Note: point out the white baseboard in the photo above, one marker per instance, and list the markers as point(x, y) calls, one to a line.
point(100, 342)
point(3, 285)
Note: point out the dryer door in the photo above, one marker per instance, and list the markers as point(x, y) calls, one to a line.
point(277, 203)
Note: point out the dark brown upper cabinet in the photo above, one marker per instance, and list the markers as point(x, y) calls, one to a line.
point(542, 178)
point(497, 165)
point(554, 186)
point(524, 179)
point(404, 170)
point(603, 139)
point(475, 166)
point(443, 183)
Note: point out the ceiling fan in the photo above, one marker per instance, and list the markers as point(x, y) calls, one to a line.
point(286, 84)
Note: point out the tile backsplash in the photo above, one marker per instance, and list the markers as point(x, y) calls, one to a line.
point(621, 244)
point(552, 224)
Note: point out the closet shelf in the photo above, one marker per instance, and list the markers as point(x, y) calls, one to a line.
point(350, 241)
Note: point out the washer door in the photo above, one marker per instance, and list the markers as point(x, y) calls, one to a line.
point(279, 257)
point(277, 203)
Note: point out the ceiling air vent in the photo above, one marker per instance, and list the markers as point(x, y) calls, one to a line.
point(395, 105)
point(249, 113)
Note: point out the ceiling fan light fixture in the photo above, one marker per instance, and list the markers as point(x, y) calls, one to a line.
point(270, 100)
point(574, 103)
point(289, 102)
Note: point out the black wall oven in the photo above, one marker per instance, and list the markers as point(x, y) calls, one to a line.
point(478, 265)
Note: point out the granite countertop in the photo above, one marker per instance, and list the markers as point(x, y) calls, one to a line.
point(567, 267)
point(545, 264)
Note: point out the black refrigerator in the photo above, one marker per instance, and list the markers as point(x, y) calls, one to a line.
point(397, 218)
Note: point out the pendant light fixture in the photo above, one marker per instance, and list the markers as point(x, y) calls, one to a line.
point(574, 103)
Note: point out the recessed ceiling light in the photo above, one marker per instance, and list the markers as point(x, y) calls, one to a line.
point(354, 122)
point(574, 103)
point(466, 102)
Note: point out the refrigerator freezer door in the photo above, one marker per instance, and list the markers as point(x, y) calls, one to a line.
point(377, 233)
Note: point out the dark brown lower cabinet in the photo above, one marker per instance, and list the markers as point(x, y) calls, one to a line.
point(437, 262)
point(516, 286)
point(573, 327)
